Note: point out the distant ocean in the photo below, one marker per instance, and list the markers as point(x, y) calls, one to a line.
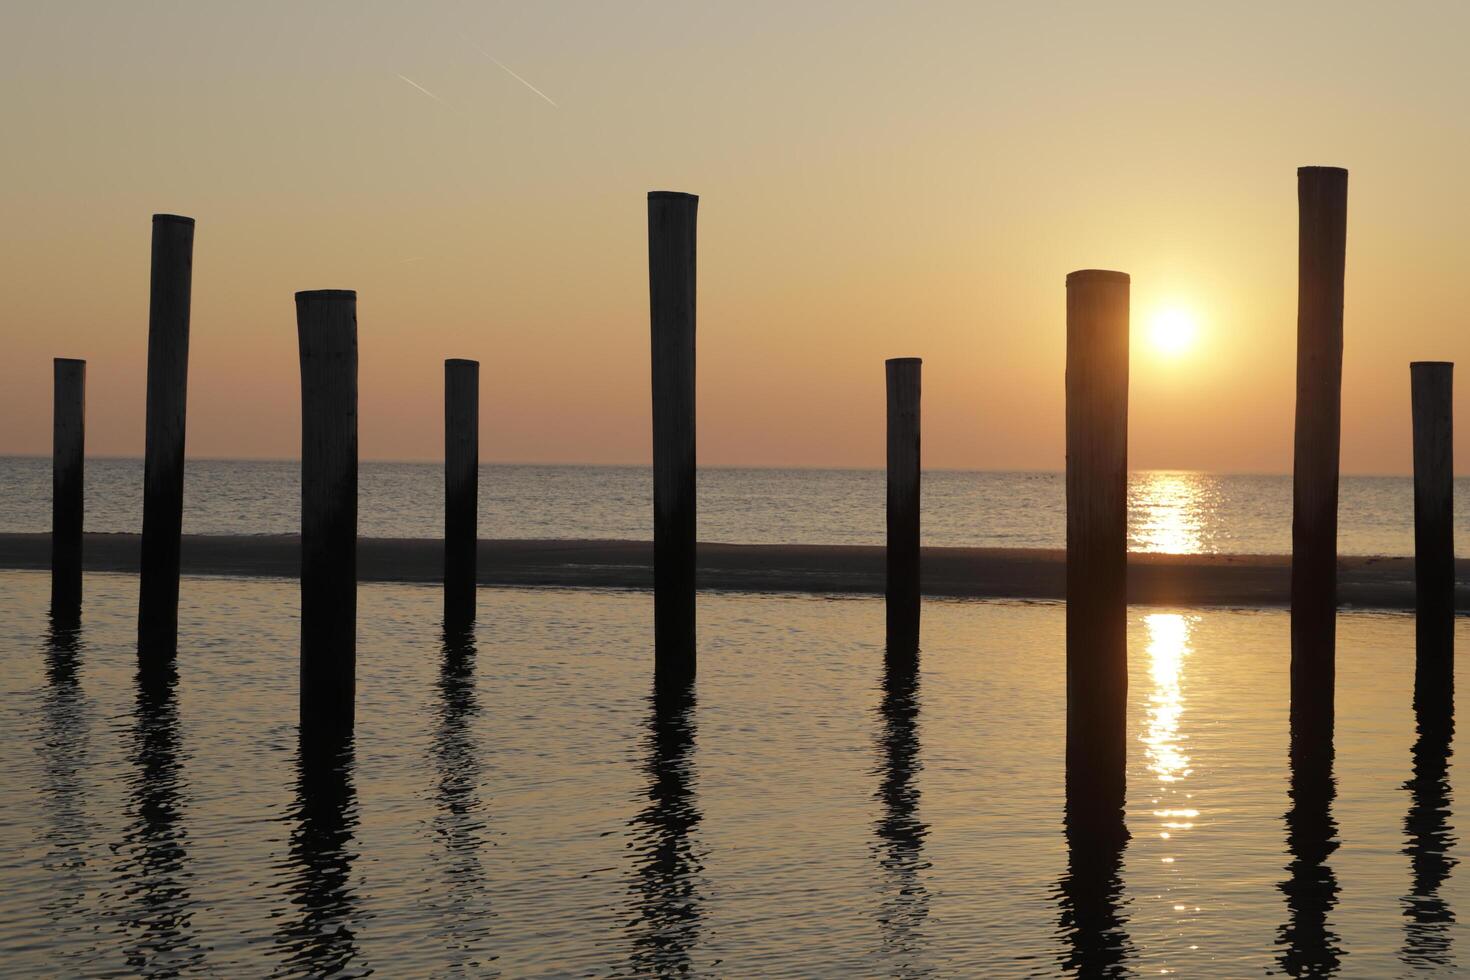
point(1177, 512)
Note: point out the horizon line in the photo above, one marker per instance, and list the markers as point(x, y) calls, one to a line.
point(426, 461)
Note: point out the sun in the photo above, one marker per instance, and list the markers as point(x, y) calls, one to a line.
point(1172, 330)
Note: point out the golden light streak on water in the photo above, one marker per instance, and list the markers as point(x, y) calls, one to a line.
point(1167, 512)
point(1165, 744)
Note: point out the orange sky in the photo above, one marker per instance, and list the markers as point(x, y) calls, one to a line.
point(876, 179)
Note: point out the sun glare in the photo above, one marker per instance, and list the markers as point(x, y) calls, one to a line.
point(1172, 330)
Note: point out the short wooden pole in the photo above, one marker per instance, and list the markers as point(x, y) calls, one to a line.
point(1431, 384)
point(326, 326)
point(68, 441)
point(163, 457)
point(671, 289)
point(903, 375)
point(1097, 535)
point(461, 487)
point(1322, 240)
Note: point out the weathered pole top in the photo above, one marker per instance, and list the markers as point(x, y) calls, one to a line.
point(1096, 275)
point(326, 294)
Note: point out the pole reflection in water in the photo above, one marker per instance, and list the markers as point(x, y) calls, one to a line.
point(1427, 931)
point(459, 822)
point(64, 760)
point(1090, 894)
point(318, 938)
point(667, 904)
point(899, 833)
point(154, 878)
point(1309, 946)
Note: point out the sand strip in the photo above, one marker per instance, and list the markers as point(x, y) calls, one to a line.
point(1185, 580)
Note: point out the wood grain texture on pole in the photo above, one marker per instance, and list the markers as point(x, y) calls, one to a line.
point(326, 328)
point(1322, 240)
point(163, 455)
point(671, 290)
point(68, 447)
point(903, 375)
point(461, 487)
point(1097, 531)
point(1432, 396)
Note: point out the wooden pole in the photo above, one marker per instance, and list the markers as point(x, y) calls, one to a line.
point(68, 440)
point(1322, 206)
point(163, 457)
point(903, 375)
point(461, 487)
point(1097, 535)
point(1434, 530)
point(326, 327)
point(671, 291)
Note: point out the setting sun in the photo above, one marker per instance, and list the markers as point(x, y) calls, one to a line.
point(1172, 330)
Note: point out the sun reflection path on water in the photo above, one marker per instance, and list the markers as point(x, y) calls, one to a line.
point(1168, 646)
point(1170, 512)
point(1165, 745)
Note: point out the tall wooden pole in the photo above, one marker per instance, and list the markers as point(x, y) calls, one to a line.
point(1322, 241)
point(1097, 536)
point(903, 377)
point(671, 286)
point(163, 458)
point(68, 441)
point(1434, 527)
point(326, 328)
point(461, 487)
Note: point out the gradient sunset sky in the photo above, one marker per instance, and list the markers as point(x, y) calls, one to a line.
point(876, 180)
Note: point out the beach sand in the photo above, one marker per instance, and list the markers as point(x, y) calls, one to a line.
point(1153, 579)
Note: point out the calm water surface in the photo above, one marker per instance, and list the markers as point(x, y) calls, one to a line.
point(1171, 512)
point(516, 804)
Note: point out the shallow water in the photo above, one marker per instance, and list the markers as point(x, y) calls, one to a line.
point(1177, 513)
point(519, 806)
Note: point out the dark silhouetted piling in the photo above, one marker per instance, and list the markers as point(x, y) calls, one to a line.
point(68, 444)
point(1432, 394)
point(326, 327)
point(1322, 206)
point(163, 455)
point(671, 285)
point(902, 590)
point(461, 487)
point(1097, 535)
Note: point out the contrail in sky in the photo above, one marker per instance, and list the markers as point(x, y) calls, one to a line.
point(422, 89)
point(516, 77)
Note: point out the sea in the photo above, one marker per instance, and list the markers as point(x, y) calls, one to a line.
point(517, 803)
point(1174, 512)
point(517, 800)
